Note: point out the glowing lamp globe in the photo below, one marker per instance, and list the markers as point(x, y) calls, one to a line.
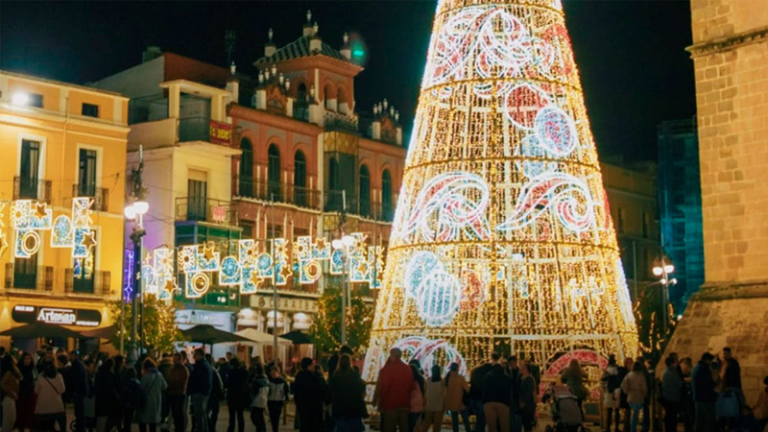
point(142, 207)
point(657, 271)
point(20, 99)
point(130, 212)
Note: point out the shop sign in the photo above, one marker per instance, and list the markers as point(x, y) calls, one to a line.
point(56, 316)
point(221, 133)
point(219, 214)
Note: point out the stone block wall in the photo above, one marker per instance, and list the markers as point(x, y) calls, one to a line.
point(730, 55)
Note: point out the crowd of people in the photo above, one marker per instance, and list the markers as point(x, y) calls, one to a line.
point(705, 397)
point(107, 394)
point(183, 392)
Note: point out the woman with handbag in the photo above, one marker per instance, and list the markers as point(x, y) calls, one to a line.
point(49, 389)
point(152, 387)
point(455, 389)
point(347, 397)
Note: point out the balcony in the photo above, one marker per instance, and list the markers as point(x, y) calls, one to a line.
point(336, 201)
point(206, 210)
point(278, 192)
point(100, 195)
point(337, 120)
point(32, 189)
point(36, 278)
point(194, 129)
point(99, 284)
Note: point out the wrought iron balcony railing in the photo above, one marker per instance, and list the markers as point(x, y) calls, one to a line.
point(31, 188)
point(100, 195)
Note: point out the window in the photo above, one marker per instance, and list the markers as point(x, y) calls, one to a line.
point(646, 225)
point(274, 231)
point(90, 110)
point(300, 179)
point(365, 191)
point(334, 200)
point(300, 107)
point(246, 168)
point(30, 169)
point(83, 273)
point(274, 191)
point(197, 189)
point(645, 268)
point(248, 229)
point(35, 100)
point(25, 272)
point(86, 177)
point(620, 220)
point(386, 195)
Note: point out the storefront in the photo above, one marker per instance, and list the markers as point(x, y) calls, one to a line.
point(224, 321)
point(75, 316)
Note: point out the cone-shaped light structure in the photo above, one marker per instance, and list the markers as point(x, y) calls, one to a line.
point(502, 240)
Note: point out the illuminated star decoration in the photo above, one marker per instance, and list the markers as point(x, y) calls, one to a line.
point(28, 223)
point(158, 275)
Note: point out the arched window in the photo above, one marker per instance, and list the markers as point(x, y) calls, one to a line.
point(340, 99)
point(300, 192)
point(246, 168)
point(386, 195)
point(274, 191)
point(365, 191)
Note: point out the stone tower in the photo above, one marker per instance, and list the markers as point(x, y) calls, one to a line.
point(730, 55)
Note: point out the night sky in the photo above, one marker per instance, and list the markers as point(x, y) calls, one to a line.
point(631, 54)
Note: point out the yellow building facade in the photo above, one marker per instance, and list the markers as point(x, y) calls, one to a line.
point(59, 142)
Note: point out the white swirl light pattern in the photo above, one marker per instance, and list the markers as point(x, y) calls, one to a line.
point(436, 292)
point(429, 352)
point(558, 192)
point(448, 205)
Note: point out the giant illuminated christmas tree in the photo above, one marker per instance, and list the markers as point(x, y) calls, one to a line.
point(502, 240)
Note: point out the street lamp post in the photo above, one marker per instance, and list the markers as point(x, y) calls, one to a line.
point(135, 212)
point(344, 243)
point(665, 274)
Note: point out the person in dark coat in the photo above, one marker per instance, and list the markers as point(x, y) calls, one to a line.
point(731, 372)
point(704, 396)
point(527, 397)
point(334, 360)
point(623, 403)
point(309, 394)
point(199, 389)
point(77, 387)
point(496, 399)
point(238, 394)
point(107, 398)
point(476, 383)
point(347, 397)
point(25, 406)
point(131, 397)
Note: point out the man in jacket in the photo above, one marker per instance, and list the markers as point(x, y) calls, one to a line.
point(393, 393)
point(476, 385)
point(672, 388)
point(704, 395)
point(731, 373)
point(178, 376)
point(78, 389)
point(513, 370)
point(496, 399)
point(199, 389)
point(309, 393)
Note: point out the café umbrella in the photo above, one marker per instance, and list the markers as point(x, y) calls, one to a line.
point(40, 330)
point(210, 335)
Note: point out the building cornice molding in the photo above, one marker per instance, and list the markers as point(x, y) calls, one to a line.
point(728, 43)
point(717, 291)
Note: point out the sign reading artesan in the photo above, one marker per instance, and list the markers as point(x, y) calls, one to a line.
point(56, 316)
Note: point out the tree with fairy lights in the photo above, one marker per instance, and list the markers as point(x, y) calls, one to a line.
point(326, 328)
point(502, 235)
point(654, 332)
point(159, 329)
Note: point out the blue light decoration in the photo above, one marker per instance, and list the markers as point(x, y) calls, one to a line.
point(308, 256)
point(128, 263)
point(281, 261)
point(196, 262)
point(158, 276)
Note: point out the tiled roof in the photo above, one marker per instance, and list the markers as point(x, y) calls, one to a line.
point(300, 48)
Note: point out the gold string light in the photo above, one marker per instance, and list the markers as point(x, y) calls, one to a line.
point(502, 239)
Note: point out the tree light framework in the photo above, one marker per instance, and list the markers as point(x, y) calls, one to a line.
point(502, 240)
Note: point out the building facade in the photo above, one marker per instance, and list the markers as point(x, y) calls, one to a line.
point(63, 263)
point(730, 54)
point(182, 129)
point(679, 186)
point(632, 201)
point(229, 157)
point(310, 165)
